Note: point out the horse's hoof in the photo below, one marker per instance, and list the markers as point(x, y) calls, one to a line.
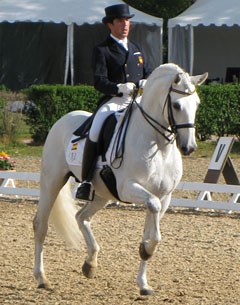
point(146, 292)
point(143, 253)
point(44, 286)
point(88, 270)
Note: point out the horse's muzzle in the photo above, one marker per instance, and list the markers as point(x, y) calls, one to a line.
point(186, 151)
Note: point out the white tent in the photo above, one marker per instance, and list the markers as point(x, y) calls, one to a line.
point(205, 37)
point(74, 26)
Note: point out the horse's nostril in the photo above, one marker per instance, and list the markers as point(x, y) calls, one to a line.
point(187, 151)
point(184, 150)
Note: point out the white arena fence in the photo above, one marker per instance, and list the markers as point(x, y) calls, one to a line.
point(9, 185)
point(203, 192)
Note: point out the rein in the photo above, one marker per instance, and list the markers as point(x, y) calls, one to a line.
point(151, 120)
point(173, 126)
point(119, 143)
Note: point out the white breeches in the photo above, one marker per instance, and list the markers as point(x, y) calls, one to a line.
point(113, 105)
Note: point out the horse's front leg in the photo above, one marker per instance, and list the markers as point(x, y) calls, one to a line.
point(136, 193)
point(83, 218)
point(151, 238)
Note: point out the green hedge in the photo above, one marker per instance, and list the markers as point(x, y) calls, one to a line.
point(49, 103)
point(218, 113)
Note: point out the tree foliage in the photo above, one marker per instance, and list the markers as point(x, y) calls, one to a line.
point(161, 8)
point(165, 9)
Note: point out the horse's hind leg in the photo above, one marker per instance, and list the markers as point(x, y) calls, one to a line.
point(48, 195)
point(83, 218)
point(40, 226)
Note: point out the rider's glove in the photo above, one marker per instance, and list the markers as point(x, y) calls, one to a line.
point(126, 88)
point(141, 83)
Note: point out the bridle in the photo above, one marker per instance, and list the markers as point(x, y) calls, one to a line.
point(172, 132)
point(173, 126)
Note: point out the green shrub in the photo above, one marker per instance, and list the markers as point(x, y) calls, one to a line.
point(48, 103)
point(219, 111)
point(9, 121)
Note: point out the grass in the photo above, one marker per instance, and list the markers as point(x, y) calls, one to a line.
point(21, 145)
point(23, 148)
point(206, 149)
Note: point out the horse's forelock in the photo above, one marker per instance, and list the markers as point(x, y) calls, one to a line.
point(167, 73)
point(187, 82)
point(169, 69)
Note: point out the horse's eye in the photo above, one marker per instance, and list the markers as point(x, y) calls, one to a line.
point(176, 106)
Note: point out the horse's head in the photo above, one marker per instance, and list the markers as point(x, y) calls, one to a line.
point(180, 109)
point(178, 102)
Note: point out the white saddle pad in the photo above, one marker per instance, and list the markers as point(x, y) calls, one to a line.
point(74, 152)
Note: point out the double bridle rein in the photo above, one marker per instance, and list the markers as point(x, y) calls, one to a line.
point(173, 126)
point(119, 144)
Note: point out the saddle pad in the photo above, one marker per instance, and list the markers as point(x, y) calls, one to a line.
point(74, 152)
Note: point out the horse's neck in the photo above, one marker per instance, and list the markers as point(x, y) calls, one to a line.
point(153, 100)
point(150, 138)
point(152, 103)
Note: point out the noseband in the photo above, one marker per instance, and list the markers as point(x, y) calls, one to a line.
point(171, 119)
point(173, 126)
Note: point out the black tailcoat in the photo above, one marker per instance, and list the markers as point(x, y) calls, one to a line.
point(112, 64)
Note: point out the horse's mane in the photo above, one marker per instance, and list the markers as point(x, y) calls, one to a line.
point(168, 72)
point(165, 69)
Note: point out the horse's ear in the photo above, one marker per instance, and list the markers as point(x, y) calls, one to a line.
point(199, 79)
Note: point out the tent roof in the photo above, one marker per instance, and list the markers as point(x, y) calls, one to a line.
point(209, 12)
point(66, 11)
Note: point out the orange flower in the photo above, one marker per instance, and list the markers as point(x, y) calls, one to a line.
point(5, 161)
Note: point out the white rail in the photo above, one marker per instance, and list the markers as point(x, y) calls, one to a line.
point(203, 198)
point(8, 186)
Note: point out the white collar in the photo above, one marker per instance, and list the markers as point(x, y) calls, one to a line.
point(123, 42)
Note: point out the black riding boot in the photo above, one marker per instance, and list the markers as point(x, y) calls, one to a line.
point(85, 190)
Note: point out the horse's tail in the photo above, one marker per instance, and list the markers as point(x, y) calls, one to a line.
point(63, 217)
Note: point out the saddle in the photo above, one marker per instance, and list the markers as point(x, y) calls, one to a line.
point(83, 129)
point(106, 134)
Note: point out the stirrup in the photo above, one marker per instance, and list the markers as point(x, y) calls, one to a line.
point(85, 191)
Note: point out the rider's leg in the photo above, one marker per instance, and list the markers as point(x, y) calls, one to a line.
point(90, 154)
point(85, 191)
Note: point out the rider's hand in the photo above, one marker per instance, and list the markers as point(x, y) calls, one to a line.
point(142, 83)
point(126, 88)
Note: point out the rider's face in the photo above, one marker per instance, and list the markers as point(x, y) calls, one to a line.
point(120, 27)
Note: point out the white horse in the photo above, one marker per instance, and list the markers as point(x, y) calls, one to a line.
point(160, 129)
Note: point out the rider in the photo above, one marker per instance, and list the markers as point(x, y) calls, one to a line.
point(119, 65)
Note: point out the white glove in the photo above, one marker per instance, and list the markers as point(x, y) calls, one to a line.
point(126, 88)
point(142, 83)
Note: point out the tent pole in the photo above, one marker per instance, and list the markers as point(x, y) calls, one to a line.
point(67, 57)
point(71, 58)
point(161, 43)
point(169, 44)
point(191, 37)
